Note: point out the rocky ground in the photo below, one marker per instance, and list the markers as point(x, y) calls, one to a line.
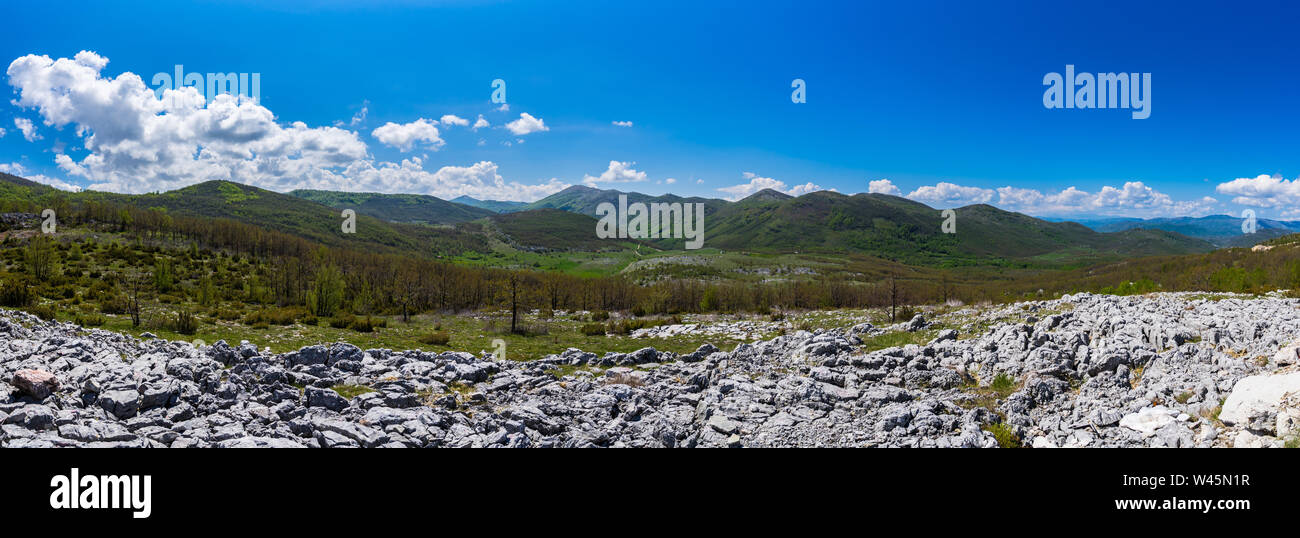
point(1165, 370)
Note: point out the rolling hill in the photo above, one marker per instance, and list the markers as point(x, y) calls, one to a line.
point(281, 213)
point(584, 200)
point(495, 206)
point(826, 222)
point(413, 208)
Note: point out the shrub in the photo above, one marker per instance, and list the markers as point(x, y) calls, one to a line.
point(1005, 435)
point(274, 316)
point(114, 304)
point(43, 311)
point(15, 292)
point(593, 329)
point(436, 338)
point(185, 322)
point(1003, 384)
point(342, 321)
point(905, 313)
point(88, 320)
point(367, 324)
point(599, 315)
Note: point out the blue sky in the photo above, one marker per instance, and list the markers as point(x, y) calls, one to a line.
point(944, 100)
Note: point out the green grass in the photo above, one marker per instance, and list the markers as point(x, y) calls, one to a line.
point(898, 338)
point(351, 391)
point(1004, 434)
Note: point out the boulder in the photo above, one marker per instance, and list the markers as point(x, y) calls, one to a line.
point(38, 384)
point(1255, 394)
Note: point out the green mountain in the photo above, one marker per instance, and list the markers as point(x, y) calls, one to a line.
point(905, 230)
point(495, 206)
point(282, 213)
point(585, 200)
point(415, 208)
point(553, 229)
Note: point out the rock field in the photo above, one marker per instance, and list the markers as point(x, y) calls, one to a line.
point(1162, 370)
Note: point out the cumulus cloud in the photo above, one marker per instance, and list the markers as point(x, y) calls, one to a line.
point(758, 183)
point(1263, 191)
point(481, 180)
point(403, 136)
point(452, 119)
point(618, 172)
point(28, 129)
point(623, 123)
point(480, 123)
point(2, 132)
point(527, 124)
point(138, 141)
point(884, 186)
point(949, 194)
point(1134, 198)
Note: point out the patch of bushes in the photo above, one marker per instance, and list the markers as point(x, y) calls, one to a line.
point(436, 338)
point(15, 292)
point(359, 324)
point(89, 320)
point(274, 316)
point(592, 329)
point(43, 311)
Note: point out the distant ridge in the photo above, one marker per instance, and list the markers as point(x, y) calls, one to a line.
point(496, 206)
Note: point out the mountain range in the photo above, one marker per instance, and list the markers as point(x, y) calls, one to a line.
point(1221, 230)
point(766, 222)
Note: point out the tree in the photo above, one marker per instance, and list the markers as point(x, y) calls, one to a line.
point(893, 298)
point(39, 258)
point(326, 293)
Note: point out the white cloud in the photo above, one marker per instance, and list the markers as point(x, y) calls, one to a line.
point(481, 180)
point(950, 195)
point(505, 107)
point(527, 124)
point(670, 180)
point(480, 123)
point(2, 132)
point(452, 119)
point(360, 116)
point(1134, 198)
point(139, 142)
point(884, 186)
point(623, 123)
point(29, 130)
point(1262, 191)
point(403, 136)
point(618, 172)
point(758, 183)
